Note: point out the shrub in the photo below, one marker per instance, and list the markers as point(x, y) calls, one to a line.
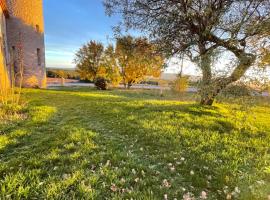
point(180, 84)
point(11, 109)
point(101, 83)
point(238, 90)
point(32, 82)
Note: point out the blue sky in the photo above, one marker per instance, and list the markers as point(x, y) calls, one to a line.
point(71, 23)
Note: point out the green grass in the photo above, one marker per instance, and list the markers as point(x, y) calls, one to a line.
point(88, 144)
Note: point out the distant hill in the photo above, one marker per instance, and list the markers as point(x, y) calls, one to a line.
point(172, 77)
point(59, 68)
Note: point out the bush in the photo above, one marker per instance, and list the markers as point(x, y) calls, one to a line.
point(238, 90)
point(10, 109)
point(101, 83)
point(180, 84)
point(32, 82)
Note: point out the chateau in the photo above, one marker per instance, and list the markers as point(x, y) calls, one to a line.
point(22, 50)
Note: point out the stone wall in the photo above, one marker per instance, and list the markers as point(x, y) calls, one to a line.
point(4, 56)
point(25, 34)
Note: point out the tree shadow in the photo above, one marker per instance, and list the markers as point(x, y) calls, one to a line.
point(92, 146)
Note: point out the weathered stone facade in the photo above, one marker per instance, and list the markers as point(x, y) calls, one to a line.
point(4, 54)
point(25, 38)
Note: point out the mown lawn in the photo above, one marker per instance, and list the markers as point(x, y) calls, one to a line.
point(88, 144)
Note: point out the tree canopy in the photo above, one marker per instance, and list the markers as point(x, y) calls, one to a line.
point(137, 58)
point(130, 61)
point(198, 28)
point(88, 60)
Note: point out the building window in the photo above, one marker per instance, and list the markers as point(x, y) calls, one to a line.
point(39, 57)
point(37, 28)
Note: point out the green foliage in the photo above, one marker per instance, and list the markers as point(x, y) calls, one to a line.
point(88, 60)
point(237, 90)
point(201, 30)
point(94, 61)
point(88, 144)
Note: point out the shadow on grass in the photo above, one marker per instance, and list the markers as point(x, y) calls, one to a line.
point(102, 145)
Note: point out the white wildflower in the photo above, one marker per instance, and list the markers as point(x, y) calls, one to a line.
point(225, 189)
point(65, 176)
point(133, 171)
point(237, 190)
point(123, 180)
point(261, 182)
point(203, 195)
point(108, 163)
point(192, 172)
point(143, 173)
point(205, 167)
point(188, 196)
point(113, 188)
point(229, 196)
point(166, 183)
point(172, 169)
point(41, 183)
point(165, 197)
point(183, 189)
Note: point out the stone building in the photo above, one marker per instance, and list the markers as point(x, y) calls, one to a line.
point(23, 41)
point(4, 54)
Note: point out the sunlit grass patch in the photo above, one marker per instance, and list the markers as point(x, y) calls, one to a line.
point(41, 113)
point(88, 144)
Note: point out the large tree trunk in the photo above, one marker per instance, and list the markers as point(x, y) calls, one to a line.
point(129, 84)
point(210, 88)
point(205, 88)
point(207, 100)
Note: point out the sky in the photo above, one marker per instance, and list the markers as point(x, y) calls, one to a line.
point(71, 23)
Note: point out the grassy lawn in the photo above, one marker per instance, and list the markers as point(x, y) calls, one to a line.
point(88, 144)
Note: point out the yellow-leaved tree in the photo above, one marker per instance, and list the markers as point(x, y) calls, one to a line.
point(137, 58)
point(110, 69)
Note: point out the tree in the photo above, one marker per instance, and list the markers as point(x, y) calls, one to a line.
point(137, 58)
point(265, 57)
point(110, 68)
point(88, 60)
point(200, 28)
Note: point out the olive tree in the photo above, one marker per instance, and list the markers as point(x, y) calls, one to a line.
point(199, 29)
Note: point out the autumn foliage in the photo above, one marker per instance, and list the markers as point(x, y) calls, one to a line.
point(130, 62)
